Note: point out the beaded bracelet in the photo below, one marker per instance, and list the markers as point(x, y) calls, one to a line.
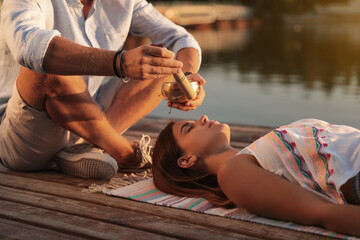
point(114, 63)
point(121, 61)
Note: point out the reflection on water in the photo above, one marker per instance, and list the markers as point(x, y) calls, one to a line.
point(326, 54)
point(272, 76)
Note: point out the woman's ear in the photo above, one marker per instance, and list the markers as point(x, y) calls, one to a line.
point(186, 162)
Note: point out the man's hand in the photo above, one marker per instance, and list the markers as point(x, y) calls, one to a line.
point(149, 62)
point(193, 104)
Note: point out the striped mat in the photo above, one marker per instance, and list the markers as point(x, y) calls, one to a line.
point(145, 191)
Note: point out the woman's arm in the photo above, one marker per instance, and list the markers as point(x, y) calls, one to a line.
point(266, 194)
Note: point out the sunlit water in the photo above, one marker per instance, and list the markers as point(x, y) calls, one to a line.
point(273, 76)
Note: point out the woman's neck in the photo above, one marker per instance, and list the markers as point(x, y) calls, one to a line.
point(215, 161)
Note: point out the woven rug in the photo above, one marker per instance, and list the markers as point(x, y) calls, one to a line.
point(145, 191)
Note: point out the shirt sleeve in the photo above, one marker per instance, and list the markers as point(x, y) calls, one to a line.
point(27, 27)
point(148, 22)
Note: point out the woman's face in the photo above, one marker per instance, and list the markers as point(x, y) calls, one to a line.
point(202, 137)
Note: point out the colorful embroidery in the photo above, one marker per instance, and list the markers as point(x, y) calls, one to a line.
point(293, 161)
point(314, 173)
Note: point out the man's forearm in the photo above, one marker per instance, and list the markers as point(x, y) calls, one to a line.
point(64, 57)
point(190, 59)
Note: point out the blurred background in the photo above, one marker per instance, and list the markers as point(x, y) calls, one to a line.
point(273, 62)
point(269, 62)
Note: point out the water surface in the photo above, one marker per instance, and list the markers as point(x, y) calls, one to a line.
point(275, 75)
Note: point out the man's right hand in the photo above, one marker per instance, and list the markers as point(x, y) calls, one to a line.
point(150, 62)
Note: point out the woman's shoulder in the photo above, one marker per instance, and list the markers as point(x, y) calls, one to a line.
point(235, 165)
point(237, 178)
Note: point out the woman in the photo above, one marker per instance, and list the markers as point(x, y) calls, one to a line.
point(303, 172)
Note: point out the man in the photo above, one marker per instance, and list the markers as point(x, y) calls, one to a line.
point(59, 61)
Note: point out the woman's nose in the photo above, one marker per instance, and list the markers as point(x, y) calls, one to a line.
point(203, 119)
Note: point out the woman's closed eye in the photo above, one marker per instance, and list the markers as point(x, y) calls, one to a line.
point(186, 128)
point(190, 127)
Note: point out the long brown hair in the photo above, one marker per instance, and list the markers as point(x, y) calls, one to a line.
point(172, 179)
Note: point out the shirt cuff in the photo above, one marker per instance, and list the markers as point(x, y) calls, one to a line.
point(36, 49)
point(187, 42)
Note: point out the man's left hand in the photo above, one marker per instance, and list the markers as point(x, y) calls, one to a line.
point(189, 105)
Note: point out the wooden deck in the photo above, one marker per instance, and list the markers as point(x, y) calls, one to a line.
point(50, 205)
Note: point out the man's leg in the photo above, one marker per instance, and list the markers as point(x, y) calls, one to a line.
point(69, 104)
point(133, 101)
point(28, 137)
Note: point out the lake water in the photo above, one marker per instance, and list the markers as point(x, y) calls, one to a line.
point(273, 76)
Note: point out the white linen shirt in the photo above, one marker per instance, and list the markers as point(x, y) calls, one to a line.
point(28, 26)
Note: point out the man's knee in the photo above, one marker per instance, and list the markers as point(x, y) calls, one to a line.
point(49, 84)
point(36, 88)
point(57, 85)
point(30, 87)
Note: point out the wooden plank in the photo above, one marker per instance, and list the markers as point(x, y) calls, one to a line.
point(74, 225)
point(16, 230)
point(141, 221)
point(241, 135)
point(156, 124)
point(73, 192)
point(152, 126)
point(53, 176)
point(237, 142)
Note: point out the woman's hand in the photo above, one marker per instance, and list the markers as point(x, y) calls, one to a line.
point(188, 105)
point(149, 62)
